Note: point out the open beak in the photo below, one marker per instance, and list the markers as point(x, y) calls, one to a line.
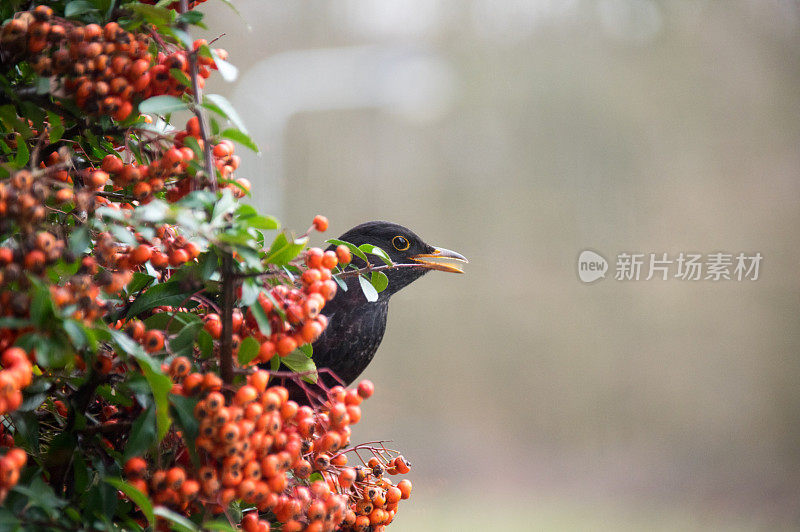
point(441, 259)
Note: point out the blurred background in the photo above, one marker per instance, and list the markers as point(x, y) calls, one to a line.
point(519, 133)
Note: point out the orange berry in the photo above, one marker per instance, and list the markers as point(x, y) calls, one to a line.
point(266, 351)
point(214, 401)
point(178, 257)
point(213, 324)
point(401, 465)
point(343, 254)
point(153, 341)
point(175, 478)
point(245, 394)
point(180, 367)
point(286, 345)
point(329, 260)
point(135, 467)
point(141, 254)
point(18, 457)
point(250, 522)
point(314, 257)
point(405, 488)
point(112, 164)
point(366, 389)
point(320, 223)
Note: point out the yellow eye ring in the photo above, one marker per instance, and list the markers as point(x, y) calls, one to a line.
point(400, 243)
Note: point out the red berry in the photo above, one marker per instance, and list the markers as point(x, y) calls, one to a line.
point(320, 223)
point(366, 389)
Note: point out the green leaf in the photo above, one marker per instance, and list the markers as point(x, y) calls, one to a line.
point(183, 343)
point(379, 281)
point(183, 410)
point(267, 223)
point(42, 309)
point(140, 281)
point(369, 291)
point(156, 15)
point(341, 282)
point(378, 252)
point(242, 138)
point(143, 433)
point(9, 521)
point(14, 323)
point(153, 212)
point(190, 17)
point(170, 293)
point(248, 350)
point(284, 250)
point(32, 401)
point(299, 362)
point(223, 107)
point(139, 499)
point(307, 349)
point(160, 384)
point(27, 430)
point(23, 155)
point(220, 526)
point(123, 235)
point(192, 143)
point(77, 334)
point(80, 240)
point(56, 126)
point(225, 205)
point(78, 7)
point(226, 70)
point(161, 105)
point(206, 343)
point(179, 522)
point(179, 75)
point(41, 495)
point(261, 319)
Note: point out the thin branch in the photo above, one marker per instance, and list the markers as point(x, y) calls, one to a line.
point(197, 97)
point(228, 297)
point(371, 268)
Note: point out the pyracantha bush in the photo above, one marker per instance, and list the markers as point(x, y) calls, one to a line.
point(141, 302)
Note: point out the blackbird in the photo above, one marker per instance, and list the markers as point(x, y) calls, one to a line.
point(356, 326)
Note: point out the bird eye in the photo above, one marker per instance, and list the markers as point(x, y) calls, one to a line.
point(400, 243)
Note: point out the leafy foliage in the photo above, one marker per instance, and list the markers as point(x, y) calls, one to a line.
point(135, 284)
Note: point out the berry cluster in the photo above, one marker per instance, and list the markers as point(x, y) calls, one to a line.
point(10, 466)
point(16, 374)
point(106, 68)
point(168, 169)
point(24, 201)
point(259, 446)
point(294, 313)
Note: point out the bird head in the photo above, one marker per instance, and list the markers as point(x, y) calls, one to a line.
point(405, 248)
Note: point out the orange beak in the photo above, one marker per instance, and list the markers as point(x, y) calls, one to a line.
point(441, 259)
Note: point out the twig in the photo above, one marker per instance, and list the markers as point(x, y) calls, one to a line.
point(371, 268)
point(197, 97)
point(228, 296)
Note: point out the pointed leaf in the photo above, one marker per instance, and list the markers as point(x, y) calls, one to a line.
point(369, 291)
point(161, 105)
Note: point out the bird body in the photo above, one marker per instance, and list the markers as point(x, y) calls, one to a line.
point(354, 332)
point(355, 325)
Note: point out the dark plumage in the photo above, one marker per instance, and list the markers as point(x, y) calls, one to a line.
point(356, 326)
